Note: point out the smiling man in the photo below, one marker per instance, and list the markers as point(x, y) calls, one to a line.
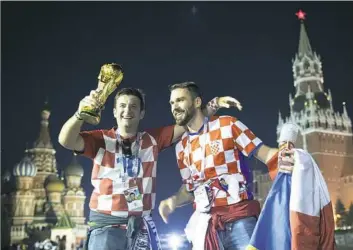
point(124, 163)
point(210, 157)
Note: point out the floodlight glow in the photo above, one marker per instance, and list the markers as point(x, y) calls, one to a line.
point(174, 241)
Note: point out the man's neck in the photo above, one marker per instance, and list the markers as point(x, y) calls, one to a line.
point(196, 122)
point(127, 132)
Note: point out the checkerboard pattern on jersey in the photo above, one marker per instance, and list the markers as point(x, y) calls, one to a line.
point(220, 145)
point(108, 195)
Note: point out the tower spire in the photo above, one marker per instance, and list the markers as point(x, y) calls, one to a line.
point(44, 140)
point(344, 109)
point(307, 74)
point(329, 98)
point(290, 103)
point(280, 120)
point(304, 47)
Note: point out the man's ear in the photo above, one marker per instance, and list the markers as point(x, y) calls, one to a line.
point(142, 114)
point(114, 112)
point(198, 102)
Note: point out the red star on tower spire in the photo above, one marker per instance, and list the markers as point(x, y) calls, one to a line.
point(301, 15)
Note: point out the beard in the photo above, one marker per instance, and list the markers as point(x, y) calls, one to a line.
point(183, 116)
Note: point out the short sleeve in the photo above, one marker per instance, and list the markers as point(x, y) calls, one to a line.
point(245, 140)
point(93, 140)
point(163, 136)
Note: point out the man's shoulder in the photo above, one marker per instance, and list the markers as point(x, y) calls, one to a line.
point(108, 131)
point(150, 136)
point(181, 144)
point(100, 132)
point(147, 133)
point(223, 120)
point(160, 132)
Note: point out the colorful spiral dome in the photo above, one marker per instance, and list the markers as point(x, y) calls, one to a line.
point(25, 167)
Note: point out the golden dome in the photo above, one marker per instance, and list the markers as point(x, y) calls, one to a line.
point(55, 185)
point(74, 168)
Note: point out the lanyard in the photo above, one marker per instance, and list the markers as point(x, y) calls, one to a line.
point(126, 160)
point(203, 157)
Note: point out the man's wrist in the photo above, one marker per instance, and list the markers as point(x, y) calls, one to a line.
point(213, 104)
point(181, 201)
point(77, 115)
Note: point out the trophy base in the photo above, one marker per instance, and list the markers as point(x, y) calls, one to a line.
point(90, 118)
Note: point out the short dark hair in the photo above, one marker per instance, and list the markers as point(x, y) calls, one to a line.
point(191, 86)
point(132, 91)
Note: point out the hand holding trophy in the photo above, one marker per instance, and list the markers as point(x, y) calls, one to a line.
point(109, 79)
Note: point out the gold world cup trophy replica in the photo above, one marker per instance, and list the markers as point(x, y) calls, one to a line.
point(109, 78)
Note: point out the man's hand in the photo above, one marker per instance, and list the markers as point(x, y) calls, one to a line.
point(228, 101)
point(220, 102)
point(166, 207)
point(286, 161)
point(90, 100)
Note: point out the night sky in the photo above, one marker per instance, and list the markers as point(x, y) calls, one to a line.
point(54, 50)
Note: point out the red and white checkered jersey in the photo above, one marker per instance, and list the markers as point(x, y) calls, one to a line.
point(108, 194)
point(219, 145)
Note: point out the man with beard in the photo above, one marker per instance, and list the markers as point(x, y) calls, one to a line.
point(210, 150)
point(124, 162)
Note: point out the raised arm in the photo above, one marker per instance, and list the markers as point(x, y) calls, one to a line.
point(69, 136)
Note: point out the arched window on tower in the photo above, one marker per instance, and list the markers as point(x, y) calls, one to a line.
point(316, 67)
point(306, 65)
point(297, 70)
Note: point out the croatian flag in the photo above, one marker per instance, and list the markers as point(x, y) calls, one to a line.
point(297, 214)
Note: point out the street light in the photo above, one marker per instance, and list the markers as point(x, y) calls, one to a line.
point(174, 241)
